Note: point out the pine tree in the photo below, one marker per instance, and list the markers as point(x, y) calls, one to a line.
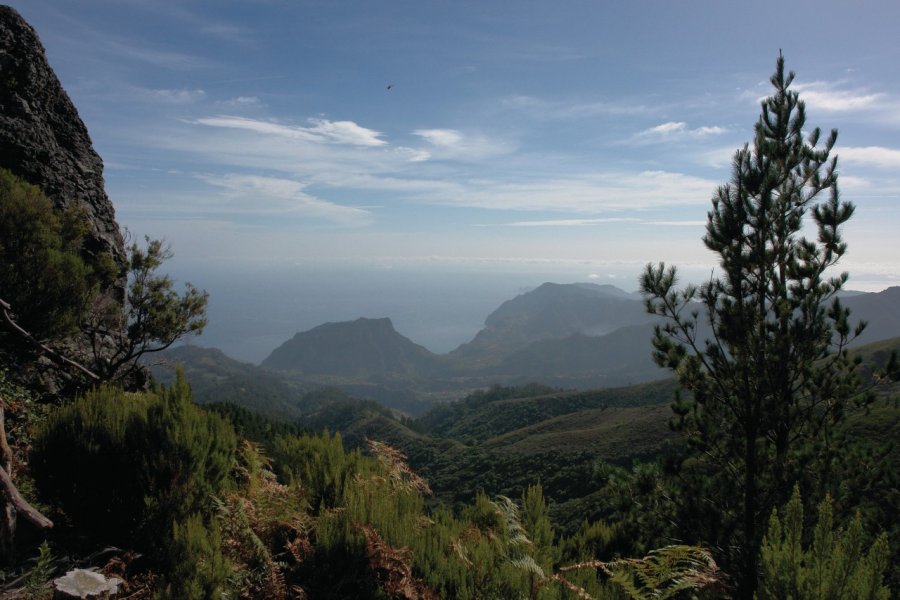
point(773, 371)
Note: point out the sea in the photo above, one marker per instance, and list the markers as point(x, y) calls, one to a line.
point(254, 309)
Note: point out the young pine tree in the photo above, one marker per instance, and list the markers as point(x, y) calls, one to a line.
point(773, 371)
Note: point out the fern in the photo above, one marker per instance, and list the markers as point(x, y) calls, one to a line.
point(40, 573)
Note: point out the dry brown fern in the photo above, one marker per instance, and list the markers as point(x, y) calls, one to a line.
point(392, 566)
point(398, 470)
point(265, 527)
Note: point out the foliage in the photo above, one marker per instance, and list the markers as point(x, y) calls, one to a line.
point(774, 371)
point(193, 562)
point(42, 274)
point(833, 565)
point(125, 466)
point(155, 316)
point(39, 575)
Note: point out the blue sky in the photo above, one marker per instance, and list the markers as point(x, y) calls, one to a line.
point(586, 137)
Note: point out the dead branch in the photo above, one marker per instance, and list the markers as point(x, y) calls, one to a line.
point(52, 354)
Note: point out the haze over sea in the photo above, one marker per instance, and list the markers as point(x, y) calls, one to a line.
point(255, 308)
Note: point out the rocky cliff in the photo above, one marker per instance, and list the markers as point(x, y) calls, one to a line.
point(45, 142)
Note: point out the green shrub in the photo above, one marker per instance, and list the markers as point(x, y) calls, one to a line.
point(42, 274)
point(125, 466)
point(833, 565)
point(194, 565)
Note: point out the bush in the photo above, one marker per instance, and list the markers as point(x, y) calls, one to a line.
point(124, 467)
point(42, 274)
point(195, 566)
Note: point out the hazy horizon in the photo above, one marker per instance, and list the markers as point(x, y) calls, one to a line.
point(254, 309)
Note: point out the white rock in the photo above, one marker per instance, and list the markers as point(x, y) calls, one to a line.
point(84, 583)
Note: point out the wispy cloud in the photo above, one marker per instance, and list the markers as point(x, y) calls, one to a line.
point(240, 102)
point(177, 96)
point(680, 130)
point(455, 145)
point(272, 195)
point(322, 130)
point(167, 59)
point(590, 193)
point(827, 96)
point(694, 223)
point(572, 222)
point(560, 109)
point(440, 137)
point(876, 156)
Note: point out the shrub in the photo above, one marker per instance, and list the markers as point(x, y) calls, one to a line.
point(42, 274)
point(125, 466)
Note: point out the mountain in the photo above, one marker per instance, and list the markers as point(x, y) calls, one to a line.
point(880, 310)
point(552, 311)
point(621, 357)
point(566, 335)
point(362, 350)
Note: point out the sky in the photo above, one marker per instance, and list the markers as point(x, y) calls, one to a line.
point(583, 138)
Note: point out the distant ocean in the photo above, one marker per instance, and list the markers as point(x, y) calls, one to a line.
point(254, 310)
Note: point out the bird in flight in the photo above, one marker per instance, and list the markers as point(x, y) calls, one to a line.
point(389, 87)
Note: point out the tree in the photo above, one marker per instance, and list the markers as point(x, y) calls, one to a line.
point(155, 316)
point(49, 294)
point(773, 371)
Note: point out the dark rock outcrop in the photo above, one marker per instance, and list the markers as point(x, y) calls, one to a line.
point(45, 142)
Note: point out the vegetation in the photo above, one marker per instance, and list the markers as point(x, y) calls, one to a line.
point(126, 465)
point(155, 316)
point(513, 492)
point(774, 374)
point(42, 274)
point(833, 565)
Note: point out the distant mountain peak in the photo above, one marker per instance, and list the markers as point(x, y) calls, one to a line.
point(362, 349)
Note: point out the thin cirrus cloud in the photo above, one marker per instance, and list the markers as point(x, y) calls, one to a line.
point(455, 145)
point(828, 97)
point(278, 196)
point(175, 96)
point(876, 156)
point(321, 130)
point(561, 110)
point(680, 129)
point(589, 193)
point(572, 222)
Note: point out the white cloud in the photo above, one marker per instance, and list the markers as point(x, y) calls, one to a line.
point(440, 137)
point(877, 156)
point(679, 129)
point(323, 130)
point(669, 127)
point(826, 96)
point(346, 132)
point(450, 144)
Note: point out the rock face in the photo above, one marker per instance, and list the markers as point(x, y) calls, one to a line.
point(45, 142)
